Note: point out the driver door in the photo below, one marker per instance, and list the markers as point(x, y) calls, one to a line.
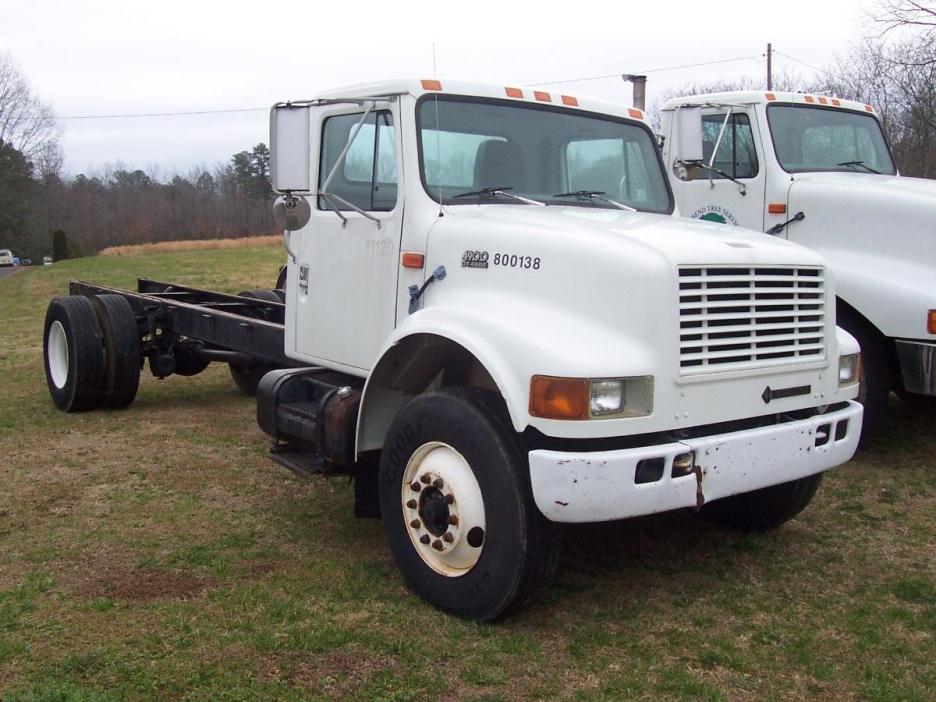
point(347, 265)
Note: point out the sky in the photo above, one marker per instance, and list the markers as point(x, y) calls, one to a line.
point(88, 58)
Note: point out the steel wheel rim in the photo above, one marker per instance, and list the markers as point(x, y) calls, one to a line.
point(57, 353)
point(443, 509)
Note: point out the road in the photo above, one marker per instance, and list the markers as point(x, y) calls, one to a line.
point(7, 270)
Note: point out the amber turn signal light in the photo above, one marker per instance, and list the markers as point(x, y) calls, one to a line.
point(776, 208)
point(931, 322)
point(559, 398)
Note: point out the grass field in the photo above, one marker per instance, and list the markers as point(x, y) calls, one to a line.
point(155, 553)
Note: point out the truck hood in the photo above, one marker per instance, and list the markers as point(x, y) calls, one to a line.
point(679, 240)
point(892, 216)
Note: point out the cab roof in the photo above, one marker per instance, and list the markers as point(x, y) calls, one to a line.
point(766, 97)
point(419, 87)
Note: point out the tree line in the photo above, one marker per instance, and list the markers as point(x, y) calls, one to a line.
point(893, 68)
point(38, 203)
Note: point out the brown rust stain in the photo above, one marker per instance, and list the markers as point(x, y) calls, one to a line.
point(699, 495)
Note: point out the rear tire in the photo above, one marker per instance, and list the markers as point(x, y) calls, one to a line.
point(73, 350)
point(764, 509)
point(122, 355)
point(499, 552)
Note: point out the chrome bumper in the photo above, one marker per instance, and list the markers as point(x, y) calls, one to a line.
point(600, 486)
point(917, 366)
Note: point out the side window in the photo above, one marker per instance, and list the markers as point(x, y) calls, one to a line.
point(368, 177)
point(737, 154)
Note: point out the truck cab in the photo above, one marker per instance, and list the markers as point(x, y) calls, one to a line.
point(817, 170)
point(499, 271)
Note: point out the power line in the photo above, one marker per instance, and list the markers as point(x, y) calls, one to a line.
point(793, 58)
point(648, 70)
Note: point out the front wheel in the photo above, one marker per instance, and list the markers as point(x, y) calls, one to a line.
point(457, 507)
point(764, 509)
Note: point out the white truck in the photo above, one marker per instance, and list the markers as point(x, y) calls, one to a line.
point(817, 170)
point(493, 323)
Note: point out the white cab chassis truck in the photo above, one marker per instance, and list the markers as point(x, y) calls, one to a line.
point(817, 170)
point(491, 320)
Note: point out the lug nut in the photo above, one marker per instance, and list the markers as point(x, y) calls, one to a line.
point(415, 524)
point(425, 478)
point(424, 539)
point(448, 538)
point(437, 545)
point(449, 499)
point(412, 504)
point(453, 520)
point(415, 487)
point(437, 483)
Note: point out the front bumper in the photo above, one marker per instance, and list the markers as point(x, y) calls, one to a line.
point(917, 366)
point(600, 486)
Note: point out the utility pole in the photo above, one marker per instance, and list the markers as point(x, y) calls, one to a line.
point(769, 66)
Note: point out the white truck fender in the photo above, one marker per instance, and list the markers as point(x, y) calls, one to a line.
point(503, 343)
point(889, 296)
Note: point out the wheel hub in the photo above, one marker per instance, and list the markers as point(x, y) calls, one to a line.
point(443, 509)
point(57, 354)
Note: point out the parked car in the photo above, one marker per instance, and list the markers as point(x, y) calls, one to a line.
point(6, 257)
point(46, 260)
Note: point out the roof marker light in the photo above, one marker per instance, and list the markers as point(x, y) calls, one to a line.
point(541, 96)
point(635, 113)
point(868, 108)
point(823, 101)
point(809, 98)
point(771, 97)
point(931, 322)
point(431, 84)
point(569, 100)
point(514, 92)
point(836, 102)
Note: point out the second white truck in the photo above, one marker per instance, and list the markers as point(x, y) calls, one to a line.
point(493, 323)
point(817, 170)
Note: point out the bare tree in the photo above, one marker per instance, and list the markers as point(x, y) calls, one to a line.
point(914, 23)
point(26, 122)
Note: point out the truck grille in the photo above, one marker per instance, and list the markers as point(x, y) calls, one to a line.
point(734, 318)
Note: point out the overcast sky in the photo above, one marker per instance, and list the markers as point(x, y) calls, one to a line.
point(101, 57)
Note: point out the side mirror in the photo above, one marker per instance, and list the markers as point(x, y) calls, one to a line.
point(291, 212)
point(290, 148)
point(689, 134)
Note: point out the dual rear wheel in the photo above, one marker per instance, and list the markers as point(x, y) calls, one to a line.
point(91, 352)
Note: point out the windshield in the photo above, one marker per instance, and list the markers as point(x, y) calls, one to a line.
point(828, 139)
point(471, 146)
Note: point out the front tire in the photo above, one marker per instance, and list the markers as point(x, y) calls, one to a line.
point(457, 506)
point(764, 509)
point(875, 380)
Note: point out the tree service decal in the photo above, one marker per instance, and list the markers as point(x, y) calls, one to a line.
point(715, 213)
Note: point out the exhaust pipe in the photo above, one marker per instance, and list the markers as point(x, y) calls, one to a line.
point(640, 90)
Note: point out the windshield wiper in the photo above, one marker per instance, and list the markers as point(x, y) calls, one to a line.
point(596, 195)
point(499, 190)
point(860, 164)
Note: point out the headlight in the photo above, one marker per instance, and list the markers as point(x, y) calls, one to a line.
point(590, 398)
point(849, 369)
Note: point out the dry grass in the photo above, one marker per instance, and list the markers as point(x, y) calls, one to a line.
point(194, 245)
